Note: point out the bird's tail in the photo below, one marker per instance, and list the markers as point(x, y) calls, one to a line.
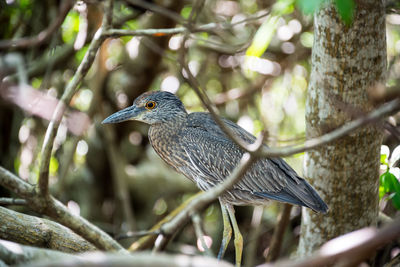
point(301, 193)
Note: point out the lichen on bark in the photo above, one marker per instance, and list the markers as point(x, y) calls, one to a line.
point(346, 61)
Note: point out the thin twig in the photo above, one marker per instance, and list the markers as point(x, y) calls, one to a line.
point(12, 201)
point(157, 9)
point(170, 31)
point(196, 220)
point(277, 237)
point(137, 234)
point(29, 42)
point(373, 116)
point(250, 253)
point(191, 80)
point(147, 241)
point(66, 98)
point(207, 197)
point(119, 177)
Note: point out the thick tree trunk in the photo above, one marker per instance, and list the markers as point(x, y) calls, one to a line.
point(346, 61)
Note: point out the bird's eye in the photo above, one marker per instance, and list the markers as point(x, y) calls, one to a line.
point(150, 104)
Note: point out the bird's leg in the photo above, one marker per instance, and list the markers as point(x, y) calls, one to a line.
point(227, 234)
point(238, 239)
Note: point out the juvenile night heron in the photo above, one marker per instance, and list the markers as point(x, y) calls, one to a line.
point(194, 145)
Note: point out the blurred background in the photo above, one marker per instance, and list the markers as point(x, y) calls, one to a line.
point(254, 65)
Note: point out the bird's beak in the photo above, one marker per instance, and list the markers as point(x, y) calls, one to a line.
point(129, 113)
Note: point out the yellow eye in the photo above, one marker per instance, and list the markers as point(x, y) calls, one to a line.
point(150, 104)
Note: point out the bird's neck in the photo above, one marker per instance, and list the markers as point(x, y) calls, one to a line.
point(164, 138)
point(167, 131)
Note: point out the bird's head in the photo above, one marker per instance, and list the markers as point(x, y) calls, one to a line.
point(152, 108)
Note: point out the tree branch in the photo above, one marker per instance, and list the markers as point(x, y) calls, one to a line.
point(373, 116)
point(34, 231)
point(196, 220)
point(277, 237)
point(49, 258)
point(157, 9)
point(349, 249)
point(207, 197)
point(56, 210)
point(14, 253)
point(66, 98)
point(12, 201)
point(29, 42)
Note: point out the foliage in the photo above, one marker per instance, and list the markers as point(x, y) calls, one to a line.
point(344, 7)
point(389, 184)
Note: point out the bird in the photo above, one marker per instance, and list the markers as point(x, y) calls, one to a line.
point(194, 145)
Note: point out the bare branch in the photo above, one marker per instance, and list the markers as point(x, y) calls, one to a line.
point(196, 220)
point(12, 201)
point(34, 231)
point(96, 259)
point(28, 42)
point(201, 201)
point(56, 210)
point(207, 197)
point(209, 27)
point(157, 9)
point(119, 178)
point(277, 237)
point(191, 80)
point(349, 249)
point(375, 115)
point(66, 98)
point(147, 241)
point(14, 253)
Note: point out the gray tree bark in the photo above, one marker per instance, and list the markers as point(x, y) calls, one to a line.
point(346, 61)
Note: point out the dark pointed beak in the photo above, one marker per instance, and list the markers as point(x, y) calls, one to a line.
point(123, 115)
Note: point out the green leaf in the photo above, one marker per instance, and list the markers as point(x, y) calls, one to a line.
point(381, 192)
point(283, 7)
point(185, 12)
point(70, 27)
point(346, 10)
point(383, 159)
point(395, 197)
point(264, 34)
point(81, 53)
point(390, 184)
point(385, 182)
point(394, 184)
point(53, 168)
point(309, 6)
point(263, 37)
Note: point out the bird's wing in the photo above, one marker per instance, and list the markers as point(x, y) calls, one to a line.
point(213, 157)
point(210, 156)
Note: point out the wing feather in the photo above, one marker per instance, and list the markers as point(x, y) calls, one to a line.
point(213, 157)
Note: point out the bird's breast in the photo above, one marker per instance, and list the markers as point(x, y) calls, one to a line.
point(166, 144)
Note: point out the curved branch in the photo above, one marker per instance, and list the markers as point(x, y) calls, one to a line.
point(13, 253)
point(28, 42)
point(44, 257)
point(207, 197)
point(70, 90)
point(34, 231)
point(349, 249)
point(375, 115)
point(56, 210)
